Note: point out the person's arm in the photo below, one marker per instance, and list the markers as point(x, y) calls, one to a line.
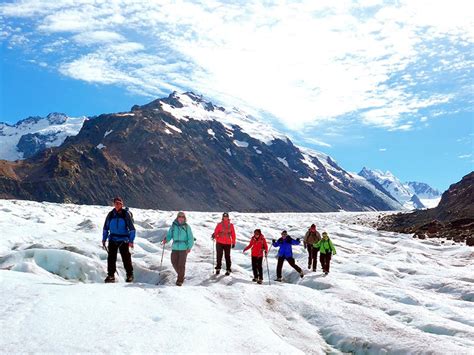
point(131, 227)
point(169, 235)
point(317, 244)
point(333, 249)
point(232, 231)
point(105, 232)
point(190, 237)
point(295, 241)
point(265, 245)
point(248, 246)
point(276, 243)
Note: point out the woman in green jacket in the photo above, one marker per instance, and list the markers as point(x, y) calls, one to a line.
point(183, 241)
point(326, 250)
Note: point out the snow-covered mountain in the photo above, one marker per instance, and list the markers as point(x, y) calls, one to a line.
point(387, 293)
point(190, 154)
point(412, 195)
point(34, 134)
point(428, 196)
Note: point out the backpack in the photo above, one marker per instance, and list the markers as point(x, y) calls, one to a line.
point(127, 210)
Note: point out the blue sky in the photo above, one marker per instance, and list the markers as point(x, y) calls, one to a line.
point(382, 84)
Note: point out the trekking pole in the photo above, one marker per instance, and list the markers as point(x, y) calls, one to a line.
point(268, 269)
point(213, 251)
point(161, 262)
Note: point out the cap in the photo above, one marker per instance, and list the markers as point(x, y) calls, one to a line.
point(118, 199)
point(225, 214)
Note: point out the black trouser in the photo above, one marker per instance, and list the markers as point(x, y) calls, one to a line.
point(325, 261)
point(312, 256)
point(220, 250)
point(257, 267)
point(178, 260)
point(112, 257)
point(291, 261)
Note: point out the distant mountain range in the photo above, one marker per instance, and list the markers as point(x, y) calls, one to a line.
point(412, 195)
point(179, 152)
point(34, 134)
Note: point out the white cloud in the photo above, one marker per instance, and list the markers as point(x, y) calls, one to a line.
point(382, 149)
point(465, 156)
point(303, 62)
point(98, 37)
point(318, 142)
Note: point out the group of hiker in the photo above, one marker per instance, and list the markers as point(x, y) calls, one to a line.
point(120, 232)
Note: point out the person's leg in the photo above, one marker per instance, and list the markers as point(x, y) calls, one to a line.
point(174, 260)
point(183, 254)
point(328, 261)
point(292, 262)
point(310, 255)
point(322, 260)
point(228, 261)
point(112, 258)
point(254, 267)
point(315, 258)
point(219, 254)
point(260, 268)
point(280, 266)
point(126, 258)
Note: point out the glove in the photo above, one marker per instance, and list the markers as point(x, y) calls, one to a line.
point(163, 241)
point(233, 246)
point(213, 236)
point(273, 240)
point(266, 253)
point(298, 240)
point(104, 244)
point(130, 245)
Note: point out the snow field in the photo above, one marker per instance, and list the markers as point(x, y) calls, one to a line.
point(386, 293)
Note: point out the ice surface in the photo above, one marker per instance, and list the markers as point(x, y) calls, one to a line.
point(386, 293)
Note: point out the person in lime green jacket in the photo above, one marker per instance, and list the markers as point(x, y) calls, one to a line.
point(183, 240)
point(326, 250)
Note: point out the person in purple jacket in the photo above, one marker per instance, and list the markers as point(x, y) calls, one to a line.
point(285, 243)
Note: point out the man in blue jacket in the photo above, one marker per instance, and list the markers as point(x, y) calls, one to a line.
point(120, 231)
point(286, 253)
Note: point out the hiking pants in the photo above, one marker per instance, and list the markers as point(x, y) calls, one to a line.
point(178, 260)
point(220, 250)
point(312, 257)
point(325, 261)
point(257, 267)
point(291, 261)
point(114, 247)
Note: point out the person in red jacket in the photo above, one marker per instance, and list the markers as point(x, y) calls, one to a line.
point(259, 248)
point(224, 234)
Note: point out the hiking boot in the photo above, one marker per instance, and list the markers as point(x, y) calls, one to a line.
point(260, 281)
point(227, 273)
point(301, 274)
point(326, 272)
point(309, 266)
point(109, 279)
point(314, 270)
point(218, 271)
point(129, 278)
point(179, 283)
point(279, 279)
point(254, 280)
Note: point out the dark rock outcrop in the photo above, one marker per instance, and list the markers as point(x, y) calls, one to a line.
point(453, 218)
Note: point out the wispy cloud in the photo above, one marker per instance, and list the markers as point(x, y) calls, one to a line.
point(382, 149)
point(305, 62)
point(465, 156)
